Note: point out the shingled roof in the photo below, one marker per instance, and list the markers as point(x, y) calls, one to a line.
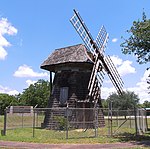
point(71, 54)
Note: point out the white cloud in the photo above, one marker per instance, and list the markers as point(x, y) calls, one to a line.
point(3, 53)
point(26, 71)
point(116, 60)
point(106, 91)
point(7, 90)
point(126, 68)
point(3, 42)
point(114, 40)
point(107, 81)
point(123, 67)
point(5, 29)
point(141, 89)
point(29, 82)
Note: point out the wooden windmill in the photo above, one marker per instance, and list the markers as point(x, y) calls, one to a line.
point(102, 63)
point(79, 73)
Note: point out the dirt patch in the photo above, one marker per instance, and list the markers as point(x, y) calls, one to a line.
point(26, 145)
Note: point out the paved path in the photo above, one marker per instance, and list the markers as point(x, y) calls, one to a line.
point(25, 145)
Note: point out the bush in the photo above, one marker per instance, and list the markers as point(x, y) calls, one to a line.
point(62, 122)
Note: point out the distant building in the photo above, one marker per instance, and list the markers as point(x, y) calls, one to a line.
point(147, 111)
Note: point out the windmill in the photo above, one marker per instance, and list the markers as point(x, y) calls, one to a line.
point(102, 64)
point(79, 74)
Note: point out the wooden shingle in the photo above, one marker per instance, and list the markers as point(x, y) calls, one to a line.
point(71, 54)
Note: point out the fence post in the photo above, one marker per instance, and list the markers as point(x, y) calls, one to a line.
point(135, 116)
point(96, 120)
point(111, 123)
point(110, 109)
point(33, 122)
point(130, 122)
point(146, 120)
point(108, 122)
point(37, 119)
point(22, 119)
point(67, 123)
point(3, 132)
point(117, 118)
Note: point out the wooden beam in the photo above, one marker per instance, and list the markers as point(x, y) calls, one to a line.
point(51, 83)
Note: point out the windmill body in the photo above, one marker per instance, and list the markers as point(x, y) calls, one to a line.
point(72, 67)
point(79, 73)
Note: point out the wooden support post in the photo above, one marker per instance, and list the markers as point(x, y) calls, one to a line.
point(50, 82)
point(3, 132)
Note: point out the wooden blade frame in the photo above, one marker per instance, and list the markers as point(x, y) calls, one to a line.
point(102, 39)
point(114, 76)
point(83, 31)
point(97, 49)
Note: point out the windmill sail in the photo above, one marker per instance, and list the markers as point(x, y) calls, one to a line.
point(97, 49)
point(102, 39)
point(114, 75)
point(83, 31)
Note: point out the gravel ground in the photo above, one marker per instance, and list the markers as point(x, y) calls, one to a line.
point(25, 145)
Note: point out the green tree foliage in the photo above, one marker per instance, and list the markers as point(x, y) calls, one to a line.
point(139, 41)
point(123, 102)
point(146, 104)
point(104, 103)
point(7, 100)
point(35, 94)
point(148, 81)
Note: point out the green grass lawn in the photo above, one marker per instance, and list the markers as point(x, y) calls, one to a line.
point(57, 137)
point(74, 136)
point(52, 136)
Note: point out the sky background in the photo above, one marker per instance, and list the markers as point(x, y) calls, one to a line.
point(30, 30)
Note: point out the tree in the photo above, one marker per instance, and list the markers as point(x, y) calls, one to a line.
point(104, 103)
point(148, 81)
point(36, 94)
point(123, 102)
point(146, 104)
point(7, 100)
point(139, 40)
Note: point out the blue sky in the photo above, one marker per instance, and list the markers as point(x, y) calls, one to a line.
point(31, 29)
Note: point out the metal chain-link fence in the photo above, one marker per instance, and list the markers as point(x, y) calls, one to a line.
point(76, 122)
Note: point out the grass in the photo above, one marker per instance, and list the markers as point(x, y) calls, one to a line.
point(51, 136)
point(57, 137)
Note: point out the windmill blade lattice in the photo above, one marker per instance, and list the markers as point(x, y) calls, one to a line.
point(83, 31)
point(96, 76)
point(114, 75)
point(102, 39)
point(100, 61)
